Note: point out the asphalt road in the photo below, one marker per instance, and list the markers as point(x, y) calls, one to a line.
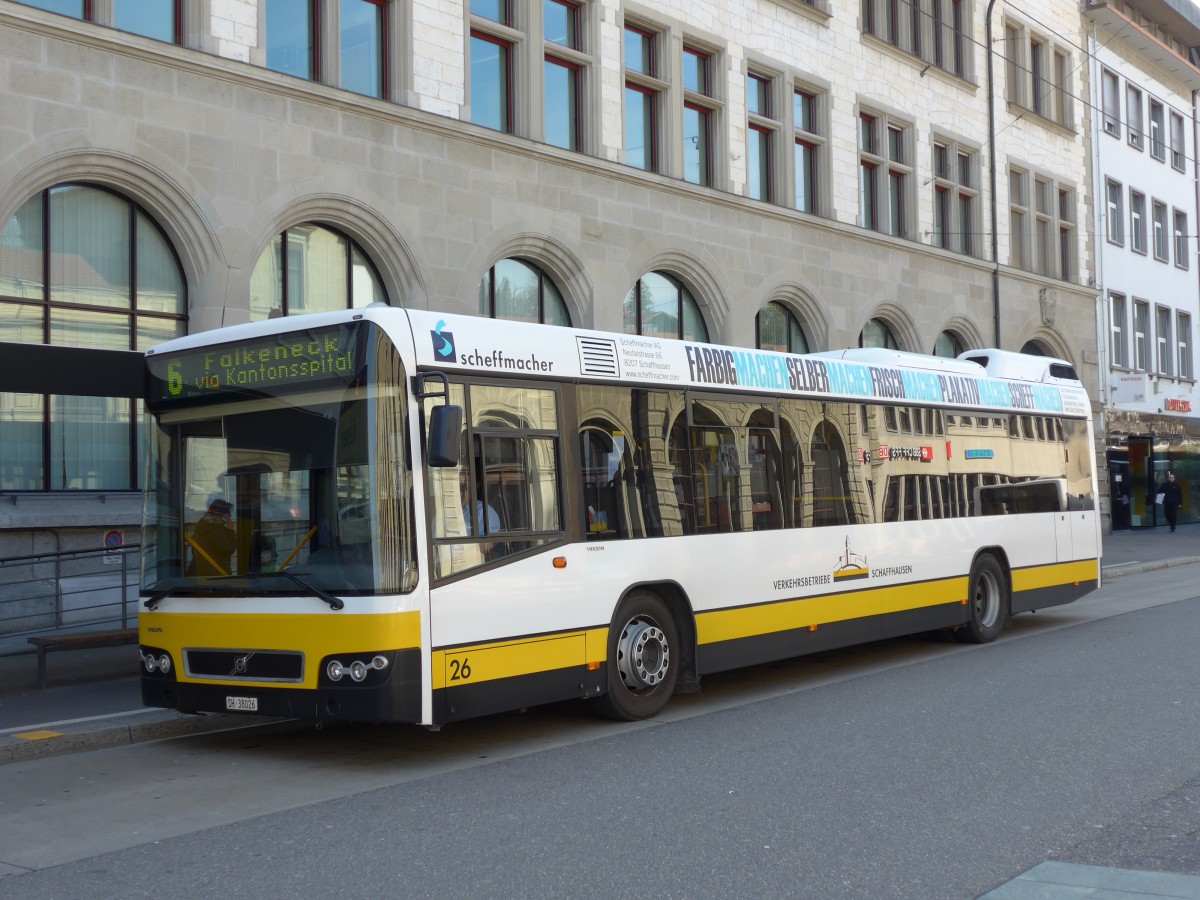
point(908, 769)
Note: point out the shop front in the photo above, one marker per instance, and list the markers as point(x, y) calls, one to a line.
point(1141, 449)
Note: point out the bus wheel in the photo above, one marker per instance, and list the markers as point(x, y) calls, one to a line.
point(987, 603)
point(643, 661)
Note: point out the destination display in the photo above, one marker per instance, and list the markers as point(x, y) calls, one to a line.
point(270, 364)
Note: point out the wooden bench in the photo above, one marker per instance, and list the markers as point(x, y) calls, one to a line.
point(77, 641)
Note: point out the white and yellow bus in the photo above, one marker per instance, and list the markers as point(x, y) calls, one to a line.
point(424, 518)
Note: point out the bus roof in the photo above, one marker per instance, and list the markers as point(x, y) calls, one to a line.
point(484, 346)
point(494, 346)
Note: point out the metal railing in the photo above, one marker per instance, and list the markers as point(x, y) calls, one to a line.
point(69, 589)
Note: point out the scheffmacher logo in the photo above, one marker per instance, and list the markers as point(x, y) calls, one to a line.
point(443, 343)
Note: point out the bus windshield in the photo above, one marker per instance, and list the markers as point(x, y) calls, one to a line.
point(249, 492)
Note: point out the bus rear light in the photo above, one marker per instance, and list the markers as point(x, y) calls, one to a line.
point(560, 562)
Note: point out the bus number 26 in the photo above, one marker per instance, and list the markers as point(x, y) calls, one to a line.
point(460, 669)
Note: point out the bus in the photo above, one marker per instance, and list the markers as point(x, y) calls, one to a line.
point(395, 515)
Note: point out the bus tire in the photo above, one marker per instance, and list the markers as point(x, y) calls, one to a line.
point(643, 659)
point(987, 602)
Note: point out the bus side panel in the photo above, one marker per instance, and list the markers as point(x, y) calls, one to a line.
point(747, 651)
point(1039, 587)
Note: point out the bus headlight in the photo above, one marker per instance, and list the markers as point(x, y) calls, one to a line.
point(335, 670)
point(150, 662)
point(164, 664)
point(358, 670)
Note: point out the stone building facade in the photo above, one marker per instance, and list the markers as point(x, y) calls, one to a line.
point(831, 164)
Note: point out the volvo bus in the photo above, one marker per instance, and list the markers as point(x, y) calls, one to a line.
point(428, 517)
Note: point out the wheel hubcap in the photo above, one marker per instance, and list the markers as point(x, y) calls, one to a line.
point(643, 655)
point(987, 600)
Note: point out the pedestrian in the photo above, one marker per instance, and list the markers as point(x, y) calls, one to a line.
point(1170, 498)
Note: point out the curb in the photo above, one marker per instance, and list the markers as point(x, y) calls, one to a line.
point(1117, 571)
point(16, 749)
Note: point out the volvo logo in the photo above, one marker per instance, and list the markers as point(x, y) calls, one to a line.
point(240, 664)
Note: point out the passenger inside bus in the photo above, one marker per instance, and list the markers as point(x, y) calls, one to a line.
point(213, 539)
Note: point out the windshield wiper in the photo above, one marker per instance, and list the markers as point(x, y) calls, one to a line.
point(333, 601)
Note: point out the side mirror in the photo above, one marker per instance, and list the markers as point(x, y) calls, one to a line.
point(445, 430)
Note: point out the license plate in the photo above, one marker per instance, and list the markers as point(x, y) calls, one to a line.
point(242, 704)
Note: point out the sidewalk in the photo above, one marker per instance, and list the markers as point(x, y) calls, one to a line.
point(94, 696)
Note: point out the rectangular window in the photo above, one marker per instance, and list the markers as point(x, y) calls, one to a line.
point(1162, 317)
point(1141, 335)
point(1181, 238)
point(563, 71)
point(1116, 312)
point(640, 127)
point(1018, 209)
point(1183, 339)
point(562, 103)
point(1160, 231)
point(955, 196)
point(158, 19)
point(696, 140)
point(891, 161)
point(362, 30)
point(809, 143)
point(1043, 262)
point(761, 128)
point(1133, 116)
point(496, 10)
point(643, 93)
point(1115, 211)
point(1066, 234)
point(290, 39)
point(560, 23)
point(1014, 77)
point(1157, 149)
point(1137, 221)
point(1037, 74)
point(1177, 141)
point(491, 81)
point(697, 117)
point(1112, 103)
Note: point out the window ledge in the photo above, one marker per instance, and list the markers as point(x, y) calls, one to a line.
point(818, 11)
point(1024, 112)
point(924, 66)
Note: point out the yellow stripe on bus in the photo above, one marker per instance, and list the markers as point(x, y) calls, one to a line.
point(1054, 575)
point(731, 624)
point(509, 659)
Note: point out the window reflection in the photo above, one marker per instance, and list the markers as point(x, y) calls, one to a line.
point(151, 18)
point(519, 290)
point(779, 330)
point(362, 28)
point(489, 82)
point(99, 242)
point(290, 37)
point(322, 270)
point(658, 305)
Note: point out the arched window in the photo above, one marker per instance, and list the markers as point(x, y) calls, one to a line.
point(519, 290)
point(322, 270)
point(831, 479)
point(658, 305)
point(1033, 348)
point(948, 345)
point(82, 267)
point(876, 333)
point(777, 328)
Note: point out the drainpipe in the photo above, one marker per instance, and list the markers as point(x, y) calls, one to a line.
point(992, 172)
